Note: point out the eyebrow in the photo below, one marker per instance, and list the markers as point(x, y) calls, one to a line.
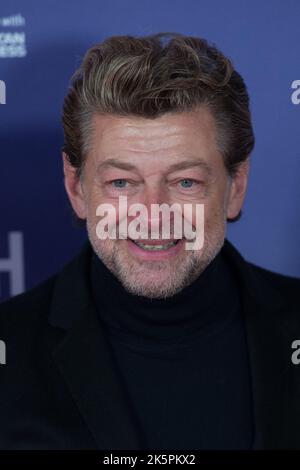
point(190, 164)
point(113, 162)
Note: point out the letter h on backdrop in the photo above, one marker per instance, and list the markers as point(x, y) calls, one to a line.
point(14, 264)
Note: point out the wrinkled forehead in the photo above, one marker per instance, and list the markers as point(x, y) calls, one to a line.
point(165, 139)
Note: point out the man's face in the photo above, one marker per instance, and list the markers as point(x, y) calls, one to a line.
point(170, 159)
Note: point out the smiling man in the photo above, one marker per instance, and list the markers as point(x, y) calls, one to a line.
point(171, 159)
point(139, 342)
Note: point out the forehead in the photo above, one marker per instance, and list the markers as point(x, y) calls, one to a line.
point(171, 136)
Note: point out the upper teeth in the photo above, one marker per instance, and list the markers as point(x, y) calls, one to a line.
point(155, 247)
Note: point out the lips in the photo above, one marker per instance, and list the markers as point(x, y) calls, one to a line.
point(150, 250)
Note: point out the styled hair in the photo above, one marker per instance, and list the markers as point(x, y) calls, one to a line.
point(152, 75)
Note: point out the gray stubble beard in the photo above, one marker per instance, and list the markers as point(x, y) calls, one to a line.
point(131, 277)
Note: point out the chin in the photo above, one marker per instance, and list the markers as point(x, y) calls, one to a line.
point(150, 274)
point(156, 280)
point(150, 290)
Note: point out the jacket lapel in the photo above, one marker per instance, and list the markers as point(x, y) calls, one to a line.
point(269, 351)
point(85, 361)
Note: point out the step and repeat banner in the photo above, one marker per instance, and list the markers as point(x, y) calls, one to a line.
point(41, 45)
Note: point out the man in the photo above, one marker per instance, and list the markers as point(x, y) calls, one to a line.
point(142, 343)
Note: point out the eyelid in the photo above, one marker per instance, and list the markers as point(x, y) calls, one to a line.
point(129, 185)
point(118, 179)
point(190, 179)
point(196, 185)
point(182, 176)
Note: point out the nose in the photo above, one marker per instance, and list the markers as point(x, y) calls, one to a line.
point(152, 198)
point(155, 194)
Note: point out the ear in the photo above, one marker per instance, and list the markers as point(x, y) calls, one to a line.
point(74, 188)
point(238, 190)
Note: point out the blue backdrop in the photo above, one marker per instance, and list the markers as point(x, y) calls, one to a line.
point(41, 44)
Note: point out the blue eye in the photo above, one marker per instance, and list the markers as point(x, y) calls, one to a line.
point(187, 183)
point(120, 183)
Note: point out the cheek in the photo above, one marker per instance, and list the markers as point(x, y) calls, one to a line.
point(94, 200)
point(213, 213)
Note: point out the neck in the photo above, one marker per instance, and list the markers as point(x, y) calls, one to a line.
point(204, 303)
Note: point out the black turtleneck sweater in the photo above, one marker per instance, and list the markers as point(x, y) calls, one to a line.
point(182, 361)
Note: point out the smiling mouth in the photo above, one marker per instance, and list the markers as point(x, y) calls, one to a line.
point(155, 246)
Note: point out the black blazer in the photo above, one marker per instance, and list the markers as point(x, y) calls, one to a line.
point(59, 388)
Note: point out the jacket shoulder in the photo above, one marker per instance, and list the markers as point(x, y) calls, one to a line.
point(26, 307)
point(269, 286)
point(29, 310)
point(287, 286)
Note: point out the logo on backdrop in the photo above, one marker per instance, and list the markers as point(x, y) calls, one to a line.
point(2, 92)
point(295, 96)
point(12, 43)
point(13, 264)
